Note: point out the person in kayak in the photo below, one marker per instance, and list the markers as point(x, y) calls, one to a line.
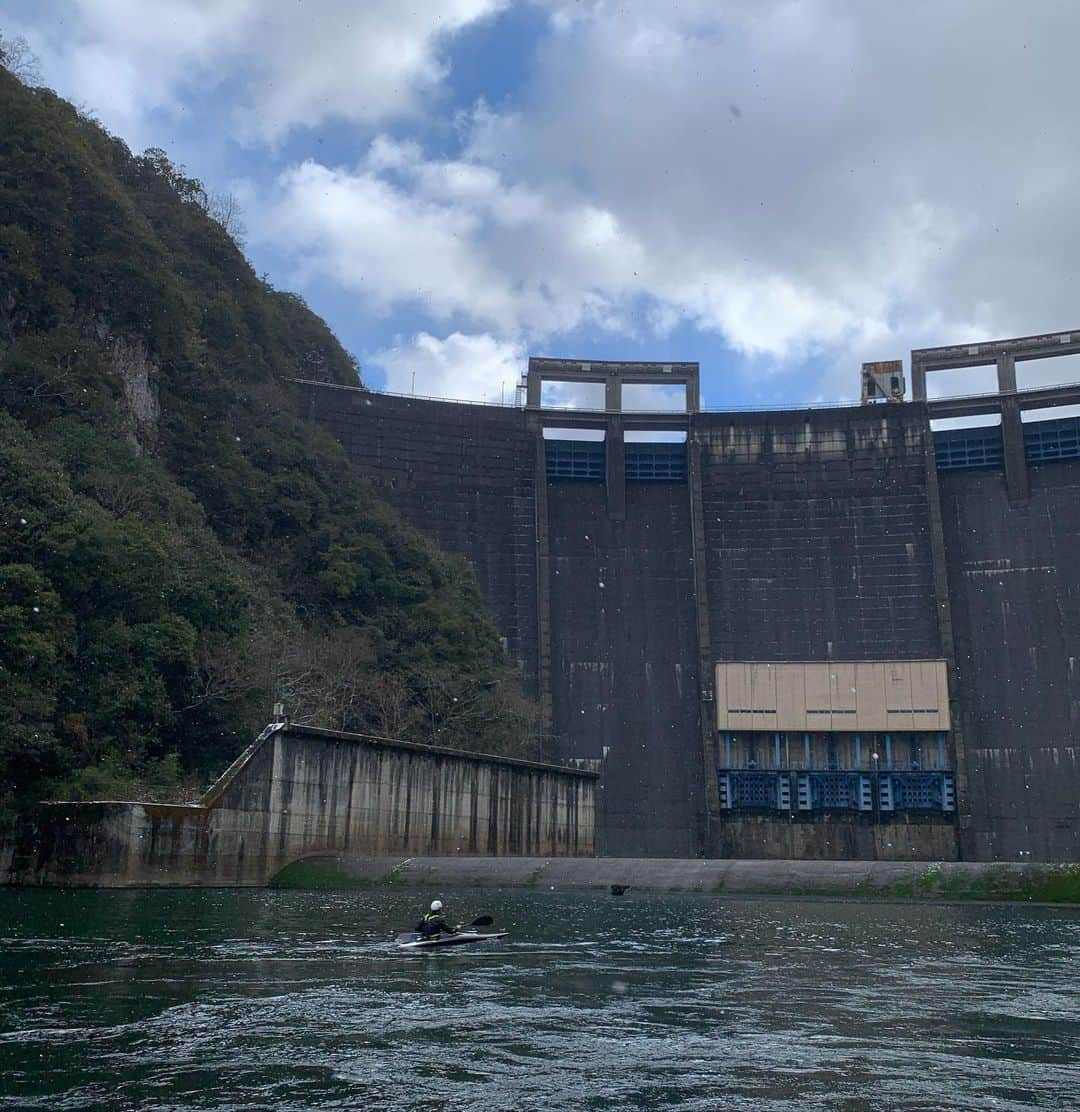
point(434, 922)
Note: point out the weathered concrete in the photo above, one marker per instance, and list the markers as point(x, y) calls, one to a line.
point(815, 535)
point(1013, 579)
point(624, 660)
point(870, 837)
point(298, 792)
point(892, 879)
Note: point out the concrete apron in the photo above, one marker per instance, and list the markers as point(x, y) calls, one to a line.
point(868, 879)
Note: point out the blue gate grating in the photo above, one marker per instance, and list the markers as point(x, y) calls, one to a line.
point(575, 459)
point(968, 449)
point(825, 790)
point(1046, 441)
point(646, 462)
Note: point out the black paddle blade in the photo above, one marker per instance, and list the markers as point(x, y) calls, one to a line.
point(483, 921)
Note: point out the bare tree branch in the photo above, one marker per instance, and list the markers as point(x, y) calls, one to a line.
point(19, 60)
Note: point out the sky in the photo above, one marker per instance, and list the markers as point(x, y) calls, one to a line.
point(777, 189)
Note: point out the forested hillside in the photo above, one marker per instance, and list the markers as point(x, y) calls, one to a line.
point(178, 551)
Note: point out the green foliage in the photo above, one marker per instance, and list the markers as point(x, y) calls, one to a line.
point(178, 550)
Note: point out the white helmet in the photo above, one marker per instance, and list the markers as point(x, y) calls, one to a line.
point(436, 905)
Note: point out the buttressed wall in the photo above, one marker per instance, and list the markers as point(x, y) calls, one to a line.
point(622, 574)
point(300, 792)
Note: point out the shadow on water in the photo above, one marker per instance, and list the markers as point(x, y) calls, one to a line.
point(291, 1000)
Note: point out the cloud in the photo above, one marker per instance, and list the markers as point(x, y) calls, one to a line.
point(281, 65)
point(470, 368)
point(463, 242)
point(881, 187)
point(811, 182)
point(455, 239)
point(869, 195)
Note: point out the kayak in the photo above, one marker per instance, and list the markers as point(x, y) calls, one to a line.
point(411, 940)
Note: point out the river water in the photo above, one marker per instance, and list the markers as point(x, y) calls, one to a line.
point(299, 1000)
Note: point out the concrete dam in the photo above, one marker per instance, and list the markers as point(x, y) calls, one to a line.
point(815, 633)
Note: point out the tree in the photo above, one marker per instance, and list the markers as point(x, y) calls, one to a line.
point(225, 209)
point(19, 60)
point(158, 163)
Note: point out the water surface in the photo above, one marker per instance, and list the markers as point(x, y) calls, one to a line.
point(288, 1000)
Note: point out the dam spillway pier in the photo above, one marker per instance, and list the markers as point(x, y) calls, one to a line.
point(926, 583)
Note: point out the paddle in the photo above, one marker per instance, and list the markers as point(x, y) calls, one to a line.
point(483, 921)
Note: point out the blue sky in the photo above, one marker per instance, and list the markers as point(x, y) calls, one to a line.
point(778, 189)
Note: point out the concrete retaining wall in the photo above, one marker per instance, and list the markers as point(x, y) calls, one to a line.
point(956, 880)
point(299, 792)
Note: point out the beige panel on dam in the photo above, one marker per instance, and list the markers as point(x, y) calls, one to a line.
point(739, 700)
point(818, 698)
point(898, 696)
point(851, 696)
point(763, 696)
point(791, 695)
point(842, 695)
point(870, 714)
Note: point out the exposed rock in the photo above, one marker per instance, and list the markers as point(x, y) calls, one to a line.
point(137, 372)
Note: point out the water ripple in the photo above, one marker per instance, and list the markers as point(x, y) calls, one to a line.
point(298, 1000)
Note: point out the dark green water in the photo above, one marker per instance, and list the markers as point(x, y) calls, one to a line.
point(296, 1000)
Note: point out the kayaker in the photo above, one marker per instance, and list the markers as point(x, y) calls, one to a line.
point(434, 922)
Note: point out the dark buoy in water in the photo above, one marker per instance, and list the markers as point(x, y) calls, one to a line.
point(618, 889)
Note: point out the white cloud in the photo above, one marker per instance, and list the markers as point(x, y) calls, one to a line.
point(470, 368)
point(818, 177)
point(818, 182)
point(285, 64)
point(460, 241)
point(805, 179)
point(455, 239)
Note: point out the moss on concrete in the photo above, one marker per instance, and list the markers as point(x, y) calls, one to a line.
point(318, 872)
point(1035, 883)
point(329, 872)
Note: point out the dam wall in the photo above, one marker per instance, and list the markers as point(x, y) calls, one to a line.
point(624, 574)
point(298, 792)
point(817, 548)
point(624, 670)
point(1014, 582)
point(817, 535)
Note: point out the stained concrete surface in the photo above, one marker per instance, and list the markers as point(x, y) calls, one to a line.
point(806, 535)
point(298, 792)
point(899, 879)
